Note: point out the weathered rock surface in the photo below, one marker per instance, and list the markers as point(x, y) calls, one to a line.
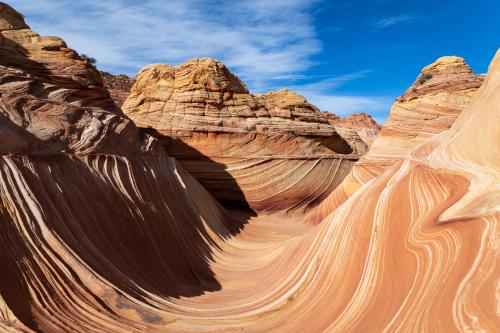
point(440, 93)
point(361, 120)
point(430, 106)
point(128, 241)
point(83, 194)
point(203, 96)
point(52, 101)
point(119, 86)
point(358, 128)
point(273, 146)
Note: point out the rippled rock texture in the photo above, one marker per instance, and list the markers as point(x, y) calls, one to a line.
point(273, 152)
point(358, 128)
point(101, 235)
point(53, 101)
point(438, 96)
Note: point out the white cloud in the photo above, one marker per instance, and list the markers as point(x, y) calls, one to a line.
point(322, 94)
point(389, 21)
point(267, 43)
point(257, 39)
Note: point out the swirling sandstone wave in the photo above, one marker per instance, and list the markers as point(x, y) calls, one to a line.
point(100, 239)
point(274, 152)
point(430, 106)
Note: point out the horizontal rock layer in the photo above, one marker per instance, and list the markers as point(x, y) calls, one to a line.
point(202, 95)
point(273, 147)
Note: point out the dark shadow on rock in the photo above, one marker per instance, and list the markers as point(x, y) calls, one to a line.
point(336, 143)
point(146, 238)
point(147, 243)
point(211, 174)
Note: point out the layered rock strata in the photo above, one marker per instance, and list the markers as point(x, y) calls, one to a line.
point(271, 149)
point(83, 194)
point(358, 128)
point(119, 86)
point(440, 93)
point(430, 106)
point(127, 241)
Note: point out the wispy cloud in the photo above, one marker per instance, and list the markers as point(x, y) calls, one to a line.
point(268, 44)
point(257, 39)
point(333, 82)
point(323, 94)
point(390, 21)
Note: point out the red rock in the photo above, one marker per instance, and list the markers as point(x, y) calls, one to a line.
point(119, 86)
point(97, 235)
point(266, 151)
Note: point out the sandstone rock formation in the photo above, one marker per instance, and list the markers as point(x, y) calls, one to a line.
point(119, 86)
point(104, 236)
point(52, 100)
point(224, 136)
point(358, 128)
point(82, 194)
point(428, 107)
point(202, 95)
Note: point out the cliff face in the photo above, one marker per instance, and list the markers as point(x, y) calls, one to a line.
point(431, 105)
point(203, 96)
point(274, 146)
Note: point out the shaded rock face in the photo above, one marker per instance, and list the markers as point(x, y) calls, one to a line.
point(358, 128)
point(52, 101)
point(274, 145)
point(82, 194)
point(119, 86)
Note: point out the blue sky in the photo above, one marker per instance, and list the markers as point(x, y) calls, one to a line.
point(343, 56)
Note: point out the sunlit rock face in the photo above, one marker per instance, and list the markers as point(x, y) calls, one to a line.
point(53, 101)
point(271, 152)
point(438, 96)
point(358, 128)
point(108, 235)
point(425, 231)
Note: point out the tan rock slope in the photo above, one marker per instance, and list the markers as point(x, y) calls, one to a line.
point(270, 151)
point(430, 106)
point(104, 236)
